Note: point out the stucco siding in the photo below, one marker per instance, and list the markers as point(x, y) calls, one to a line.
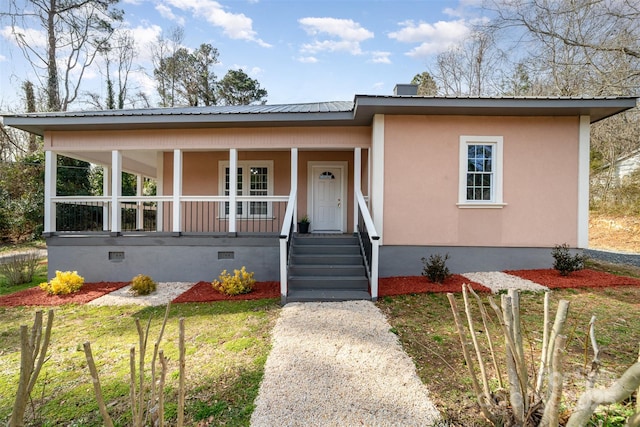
point(539, 173)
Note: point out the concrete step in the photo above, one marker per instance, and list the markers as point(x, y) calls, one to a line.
point(297, 249)
point(323, 259)
point(329, 282)
point(327, 270)
point(328, 240)
point(326, 295)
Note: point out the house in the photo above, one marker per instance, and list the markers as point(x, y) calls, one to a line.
point(493, 182)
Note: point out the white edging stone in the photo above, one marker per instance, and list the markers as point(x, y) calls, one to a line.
point(498, 281)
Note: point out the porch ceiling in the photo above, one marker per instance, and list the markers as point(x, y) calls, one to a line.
point(135, 162)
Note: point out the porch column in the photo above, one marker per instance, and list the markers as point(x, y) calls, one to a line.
point(139, 204)
point(584, 143)
point(294, 183)
point(50, 179)
point(177, 190)
point(357, 185)
point(233, 188)
point(160, 191)
point(116, 191)
point(106, 191)
point(376, 196)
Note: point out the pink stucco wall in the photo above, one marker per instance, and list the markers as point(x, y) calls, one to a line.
point(421, 182)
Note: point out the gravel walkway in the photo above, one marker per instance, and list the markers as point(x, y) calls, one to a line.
point(165, 292)
point(338, 364)
point(498, 281)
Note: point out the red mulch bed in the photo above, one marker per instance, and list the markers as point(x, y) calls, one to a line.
point(419, 284)
point(36, 296)
point(203, 292)
point(578, 279)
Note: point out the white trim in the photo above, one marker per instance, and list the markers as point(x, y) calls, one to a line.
point(106, 190)
point(233, 188)
point(498, 164)
point(50, 180)
point(357, 184)
point(116, 191)
point(344, 188)
point(177, 190)
point(294, 183)
point(583, 181)
point(139, 204)
point(376, 171)
point(160, 190)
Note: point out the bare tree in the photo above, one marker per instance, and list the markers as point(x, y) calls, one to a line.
point(166, 77)
point(75, 31)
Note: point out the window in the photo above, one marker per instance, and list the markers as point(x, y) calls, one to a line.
point(480, 171)
point(254, 179)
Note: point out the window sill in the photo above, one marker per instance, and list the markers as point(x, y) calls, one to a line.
point(481, 205)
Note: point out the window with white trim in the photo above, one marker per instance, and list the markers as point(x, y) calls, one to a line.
point(480, 182)
point(255, 178)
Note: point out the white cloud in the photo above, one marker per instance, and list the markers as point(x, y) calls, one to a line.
point(307, 59)
point(167, 13)
point(378, 85)
point(34, 38)
point(379, 57)
point(344, 35)
point(234, 25)
point(3, 58)
point(432, 38)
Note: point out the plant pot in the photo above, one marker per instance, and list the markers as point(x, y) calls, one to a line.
point(303, 227)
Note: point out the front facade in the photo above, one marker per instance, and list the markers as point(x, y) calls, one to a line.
point(495, 183)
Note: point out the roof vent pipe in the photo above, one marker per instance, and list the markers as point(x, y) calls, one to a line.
point(405, 90)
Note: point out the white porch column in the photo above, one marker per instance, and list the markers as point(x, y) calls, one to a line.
point(160, 191)
point(50, 180)
point(139, 204)
point(376, 196)
point(116, 191)
point(233, 188)
point(177, 190)
point(357, 185)
point(584, 142)
point(294, 183)
point(106, 191)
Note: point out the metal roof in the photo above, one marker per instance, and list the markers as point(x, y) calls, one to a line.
point(360, 112)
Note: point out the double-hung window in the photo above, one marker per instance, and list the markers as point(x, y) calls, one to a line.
point(255, 178)
point(480, 183)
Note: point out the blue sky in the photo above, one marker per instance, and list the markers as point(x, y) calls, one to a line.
point(300, 51)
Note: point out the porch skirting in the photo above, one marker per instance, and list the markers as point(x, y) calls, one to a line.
point(184, 258)
point(406, 260)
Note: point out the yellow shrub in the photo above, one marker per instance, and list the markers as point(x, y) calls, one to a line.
point(240, 283)
point(65, 282)
point(142, 285)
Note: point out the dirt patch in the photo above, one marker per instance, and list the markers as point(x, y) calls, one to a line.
point(403, 285)
point(578, 279)
point(617, 233)
point(204, 292)
point(36, 296)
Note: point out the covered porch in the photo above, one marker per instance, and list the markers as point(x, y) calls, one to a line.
point(194, 227)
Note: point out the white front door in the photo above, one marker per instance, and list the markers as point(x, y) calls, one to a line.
point(328, 199)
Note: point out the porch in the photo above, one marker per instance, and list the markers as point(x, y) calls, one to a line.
point(188, 231)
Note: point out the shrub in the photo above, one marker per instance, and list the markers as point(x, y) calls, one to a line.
point(143, 285)
point(64, 283)
point(240, 283)
point(20, 268)
point(435, 268)
point(566, 263)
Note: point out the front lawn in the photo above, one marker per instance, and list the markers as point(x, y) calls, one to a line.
point(227, 344)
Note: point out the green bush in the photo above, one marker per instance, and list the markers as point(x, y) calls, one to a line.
point(65, 282)
point(143, 285)
point(566, 263)
point(435, 268)
point(240, 283)
point(20, 268)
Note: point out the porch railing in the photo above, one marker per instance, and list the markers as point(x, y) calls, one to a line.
point(369, 241)
point(286, 233)
point(199, 214)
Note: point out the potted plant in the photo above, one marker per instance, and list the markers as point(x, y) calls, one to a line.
point(303, 225)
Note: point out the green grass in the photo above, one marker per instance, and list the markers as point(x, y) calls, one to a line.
point(39, 277)
point(227, 344)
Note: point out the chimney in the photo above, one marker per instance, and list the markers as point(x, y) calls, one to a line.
point(405, 90)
